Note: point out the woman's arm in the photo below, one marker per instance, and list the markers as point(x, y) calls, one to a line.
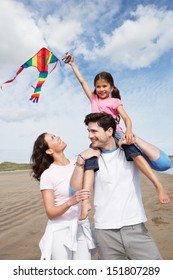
point(70, 60)
point(53, 211)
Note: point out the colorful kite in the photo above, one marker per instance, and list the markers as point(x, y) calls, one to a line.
point(40, 61)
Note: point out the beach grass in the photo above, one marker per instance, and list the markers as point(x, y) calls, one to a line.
point(12, 166)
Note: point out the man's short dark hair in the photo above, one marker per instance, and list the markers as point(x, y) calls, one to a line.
point(102, 119)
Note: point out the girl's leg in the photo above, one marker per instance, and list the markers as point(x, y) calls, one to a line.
point(150, 150)
point(144, 163)
point(145, 168)
point(88, 182)
point(156, 158)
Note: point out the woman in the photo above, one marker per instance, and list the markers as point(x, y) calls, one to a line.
point(65, 237)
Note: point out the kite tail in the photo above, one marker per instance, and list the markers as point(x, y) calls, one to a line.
point(18, 72)
point(41, 79)
point(56, 65)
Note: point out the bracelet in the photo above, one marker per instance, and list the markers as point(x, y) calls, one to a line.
point(81, 157)
point(79, 164)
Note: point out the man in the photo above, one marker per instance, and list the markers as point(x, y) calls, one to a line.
point(119, 213)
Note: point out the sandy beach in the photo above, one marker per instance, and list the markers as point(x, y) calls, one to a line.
point(23, 220)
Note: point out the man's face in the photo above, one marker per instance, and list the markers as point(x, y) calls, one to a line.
point(99, 138)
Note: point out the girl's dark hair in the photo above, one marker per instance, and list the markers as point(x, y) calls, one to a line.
point(108, 77)
point(39, 159)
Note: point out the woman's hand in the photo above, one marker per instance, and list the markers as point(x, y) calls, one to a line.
point(78, 196)
point(89, 153)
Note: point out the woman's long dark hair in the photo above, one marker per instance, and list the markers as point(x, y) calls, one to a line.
point(39, 159)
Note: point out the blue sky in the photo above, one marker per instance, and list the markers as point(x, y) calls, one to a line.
point(133, 40)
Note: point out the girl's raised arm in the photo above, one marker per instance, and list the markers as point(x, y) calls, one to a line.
point(70, 60)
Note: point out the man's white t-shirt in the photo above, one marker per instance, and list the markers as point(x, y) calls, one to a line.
point(117, 195)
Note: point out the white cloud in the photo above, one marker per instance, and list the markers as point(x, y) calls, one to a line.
point(60, 34)
point(14, 115)
point(81, 27)
point(139, 41)
point(20, 36)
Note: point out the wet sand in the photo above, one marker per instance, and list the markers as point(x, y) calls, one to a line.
point(23, 219)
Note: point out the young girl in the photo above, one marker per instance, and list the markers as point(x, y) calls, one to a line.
point(106, 99)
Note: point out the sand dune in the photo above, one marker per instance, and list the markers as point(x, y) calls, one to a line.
point(23, 220)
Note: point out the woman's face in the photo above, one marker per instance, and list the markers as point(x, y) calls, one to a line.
point(54, 142)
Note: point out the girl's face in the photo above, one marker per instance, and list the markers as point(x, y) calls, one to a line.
point(103, 88)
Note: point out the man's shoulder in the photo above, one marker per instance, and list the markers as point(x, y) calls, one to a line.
point(116, 156)
point(115, 152)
